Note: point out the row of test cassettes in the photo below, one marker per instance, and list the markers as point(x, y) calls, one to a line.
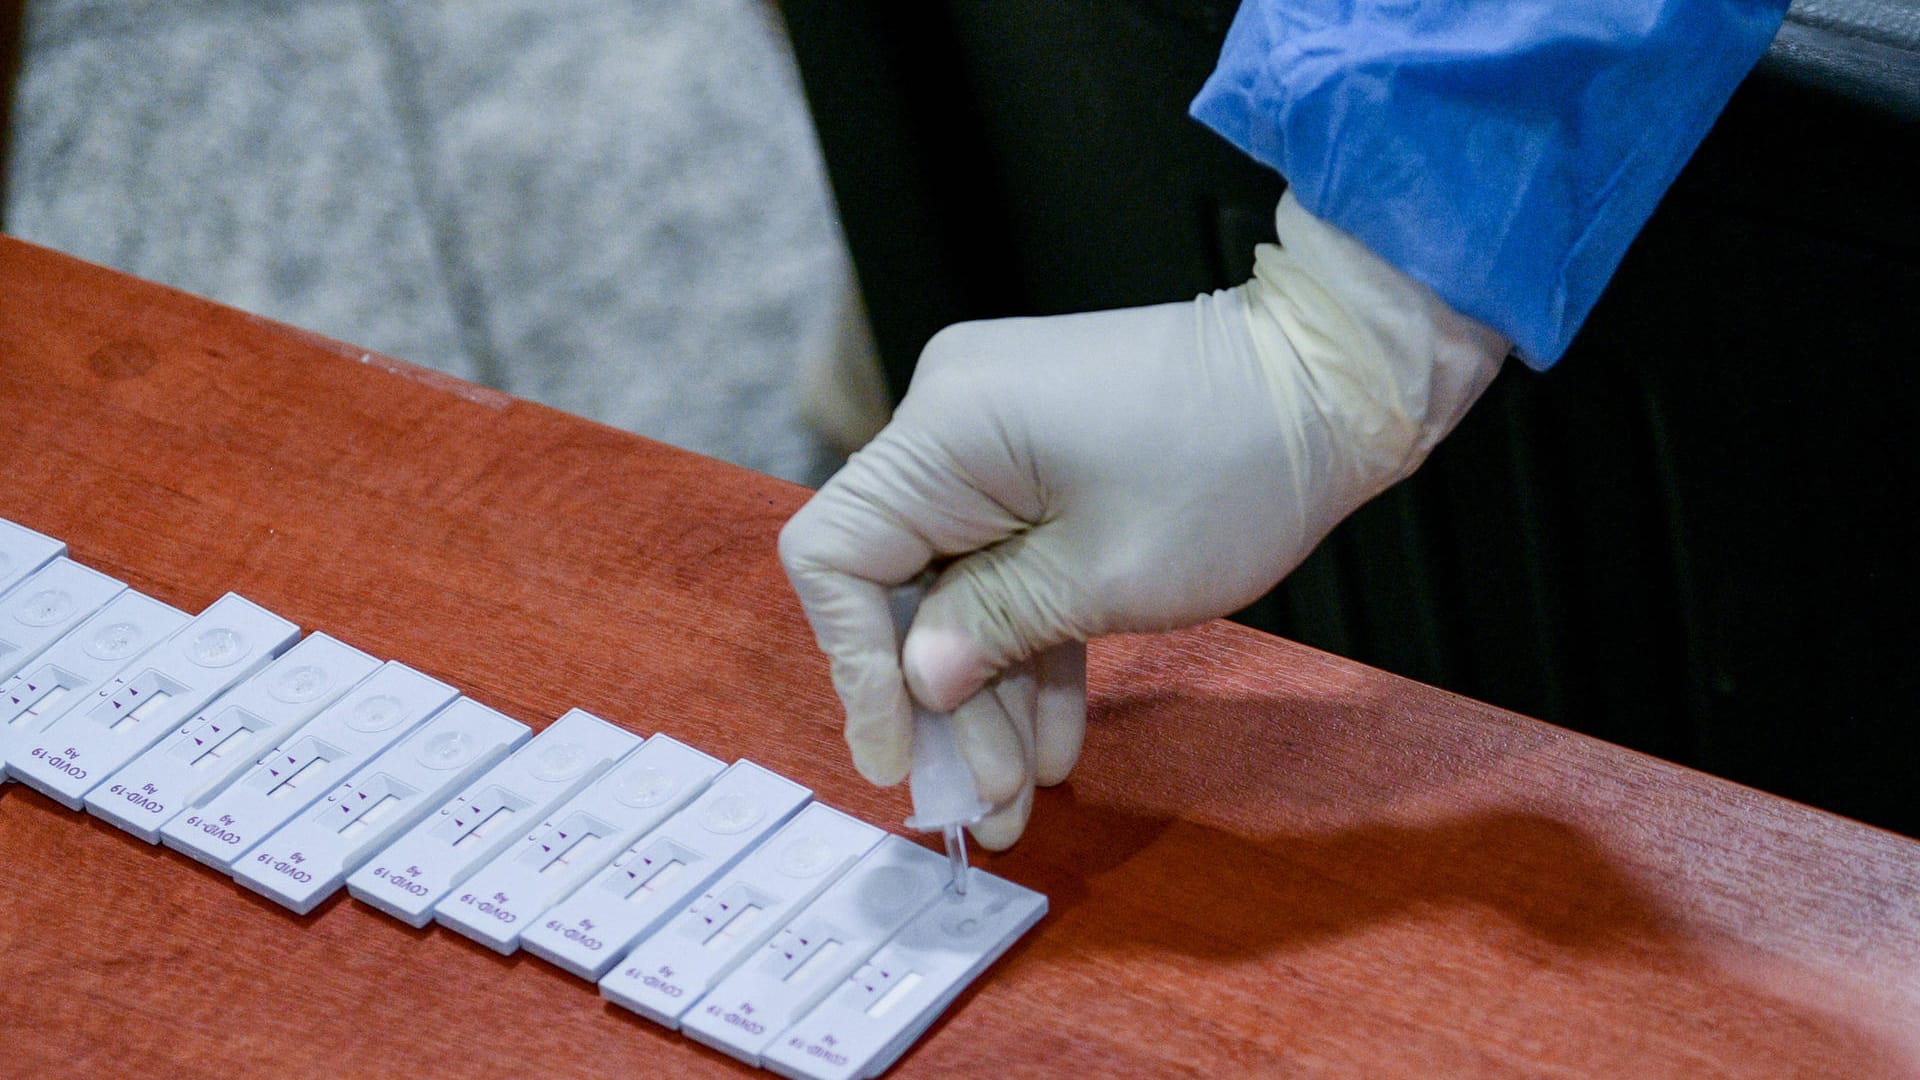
point(717, 899)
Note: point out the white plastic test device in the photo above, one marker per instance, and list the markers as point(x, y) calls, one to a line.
point(884, 1007)
point(22, 551)
point(666, 973)
point(828, 941)
point(439, 853)
point(588, 932)
point(578, 838)
point(310, 857)
point(223, 740)
point(779, 930)
point(229, 641)
point(42, 609)
point(307, 764)
point(71, 669)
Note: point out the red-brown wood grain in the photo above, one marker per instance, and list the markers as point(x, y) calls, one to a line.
point(1270, 862)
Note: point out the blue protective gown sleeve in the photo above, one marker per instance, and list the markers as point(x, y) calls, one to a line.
point(1503, 152)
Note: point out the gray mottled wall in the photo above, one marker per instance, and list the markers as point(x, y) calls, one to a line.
point(612, 206)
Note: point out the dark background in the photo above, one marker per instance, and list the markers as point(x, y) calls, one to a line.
point(1691, 537)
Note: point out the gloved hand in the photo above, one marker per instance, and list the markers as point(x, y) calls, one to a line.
point(1130, 470)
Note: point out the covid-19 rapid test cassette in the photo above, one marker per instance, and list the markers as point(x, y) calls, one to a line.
point(223, 740)
point(309, 858)
point(721, 900)
point(434, 857)
point(22, 551)
point(872, 1016)
point(666, 973)
point(307, 764)
point(226, 643)
point(579, 837)
point(41, 609)
point(650, 881)
point(71, 669)
point(822, 946)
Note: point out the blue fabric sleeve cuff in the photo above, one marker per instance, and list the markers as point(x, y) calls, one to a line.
point(1505, 154)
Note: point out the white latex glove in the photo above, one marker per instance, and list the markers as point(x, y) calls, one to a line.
point(1130, 470)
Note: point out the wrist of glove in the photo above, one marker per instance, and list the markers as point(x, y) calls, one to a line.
point(1129, 470)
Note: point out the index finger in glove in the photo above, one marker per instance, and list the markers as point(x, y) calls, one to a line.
point(878, 522)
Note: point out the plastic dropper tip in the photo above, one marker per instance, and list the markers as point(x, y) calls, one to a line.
point(957, 857)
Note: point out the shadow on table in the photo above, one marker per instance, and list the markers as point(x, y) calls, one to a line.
point(1512, 909)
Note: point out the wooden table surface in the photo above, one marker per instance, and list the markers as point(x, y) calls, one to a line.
point(1271, 861)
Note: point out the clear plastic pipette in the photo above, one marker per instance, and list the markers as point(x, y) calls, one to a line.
point(944, 797)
